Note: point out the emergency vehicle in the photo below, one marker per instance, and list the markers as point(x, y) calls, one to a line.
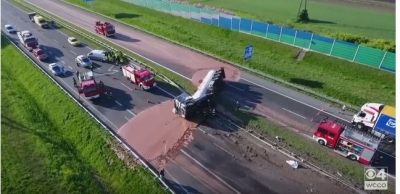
point(106, 28)
point(349, 142)
point(89, 87)
point(28, 40)
point(142, 77)
point(203, 100)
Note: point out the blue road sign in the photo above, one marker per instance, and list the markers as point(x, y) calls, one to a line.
point(248, 52)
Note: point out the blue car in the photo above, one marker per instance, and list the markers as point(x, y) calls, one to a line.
point(57, 69)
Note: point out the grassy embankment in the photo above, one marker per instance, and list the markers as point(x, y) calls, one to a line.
point(340, 79)
point(369, 21)
point(49, 145)
point(303, 146)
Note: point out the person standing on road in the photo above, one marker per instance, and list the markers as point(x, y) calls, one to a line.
point(77, 74)
point(91, 67)
point(75, 85)
point(237, 106)
point(343, 109)
point(162, 174)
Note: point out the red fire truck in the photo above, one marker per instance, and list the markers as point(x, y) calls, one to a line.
point(352, 143)
point(88, 86)
point(106, 28)
point(142, 77)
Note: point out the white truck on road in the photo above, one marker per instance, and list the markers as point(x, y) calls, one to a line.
point(28, 40)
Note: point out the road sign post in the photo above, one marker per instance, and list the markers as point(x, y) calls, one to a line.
point(248, 52)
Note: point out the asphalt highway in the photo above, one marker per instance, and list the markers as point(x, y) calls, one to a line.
point(126, 103)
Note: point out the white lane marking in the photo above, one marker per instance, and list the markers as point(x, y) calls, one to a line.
point(318, 109)
point(131, 112)
point(55, 41)
point(294, 113)
point(62, 62)
point(166, 92)
point(126, 118)
point(70, 67)
point(118, 103)
point(73, 52)
point(209, 171)
point(126, 86)
point(224, 150)
point(235, 87)
point(111, 67)
point(50, 53)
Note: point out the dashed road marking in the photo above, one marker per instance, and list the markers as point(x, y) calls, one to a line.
point(126, 86)
point(50, 53)
point(62, 62)
point(131, 112)
point(70, 67)
point(55, 41)
point(73, 52)
point(126, 118)
point(118, 103)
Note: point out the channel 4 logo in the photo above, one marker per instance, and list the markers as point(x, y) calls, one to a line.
point(391, 123)
point(376, 178)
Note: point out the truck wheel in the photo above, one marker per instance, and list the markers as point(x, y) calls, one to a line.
point(321, 142)
point(360, 126)
point(353, 157)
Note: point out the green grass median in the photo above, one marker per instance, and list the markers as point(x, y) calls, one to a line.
point(49, 145)
point(349, 82)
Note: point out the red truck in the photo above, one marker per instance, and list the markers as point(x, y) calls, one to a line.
point(28, 40)
point(142, 77)
point(105, 29)
point(89, 87)
point(352, 143)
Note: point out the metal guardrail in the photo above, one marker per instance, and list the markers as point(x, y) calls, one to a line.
point(304, 89)
point(93, 116)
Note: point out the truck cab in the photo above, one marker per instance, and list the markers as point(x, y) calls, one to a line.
point(40, 21)
point(365, 118)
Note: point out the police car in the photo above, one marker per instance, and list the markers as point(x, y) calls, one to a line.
point(57, 69)
point(83, 61)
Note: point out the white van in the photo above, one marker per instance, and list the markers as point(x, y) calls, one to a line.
point(97, 55)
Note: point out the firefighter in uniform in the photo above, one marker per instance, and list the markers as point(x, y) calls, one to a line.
point(75, 85)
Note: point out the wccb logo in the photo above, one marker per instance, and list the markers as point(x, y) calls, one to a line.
point(375, 178)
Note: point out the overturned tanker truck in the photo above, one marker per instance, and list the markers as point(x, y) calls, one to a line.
point(203, 100)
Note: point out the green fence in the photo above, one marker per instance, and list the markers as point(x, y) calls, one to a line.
point(356, 53)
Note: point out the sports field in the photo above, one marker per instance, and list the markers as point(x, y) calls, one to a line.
point(49, 145)
point(340, 79)
point(367, 18)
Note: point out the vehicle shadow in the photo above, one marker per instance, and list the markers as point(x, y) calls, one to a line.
point(51, 51)
point(178, 188)
point(246, 95)
point(122, 96)
point(123, 37)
